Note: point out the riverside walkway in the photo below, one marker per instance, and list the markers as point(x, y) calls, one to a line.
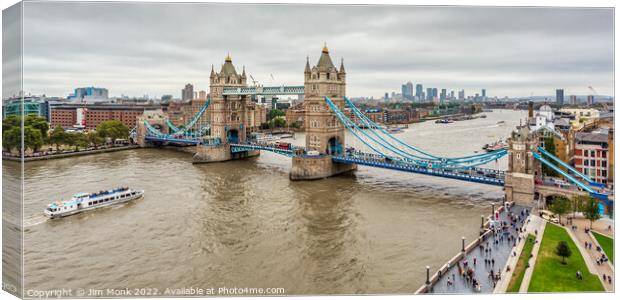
point(499, 249)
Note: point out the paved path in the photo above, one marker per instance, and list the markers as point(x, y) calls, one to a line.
point(500, 252)
point(537, 229)
point(580, 237)
point(533, 224)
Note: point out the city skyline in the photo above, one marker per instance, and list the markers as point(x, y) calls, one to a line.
point(508, 51)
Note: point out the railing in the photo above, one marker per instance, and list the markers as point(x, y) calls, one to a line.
point(373, 161)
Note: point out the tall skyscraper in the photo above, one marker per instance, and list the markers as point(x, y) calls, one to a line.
point(484, 94)
point(187, 93)
point(452, 94)
point(442, 97)
point(409, 90)
point(462, 95)
point(559, 97)
point(429, 94)
point(590, 99)
point(419, 91)
point(434, 93)
point(403, 91)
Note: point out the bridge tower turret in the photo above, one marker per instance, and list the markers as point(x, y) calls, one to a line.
point(522, 167)
point(324, 131)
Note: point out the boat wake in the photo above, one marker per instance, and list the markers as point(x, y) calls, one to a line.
point(34, 221)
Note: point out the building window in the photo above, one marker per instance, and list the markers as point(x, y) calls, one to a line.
point(586, 162)
point(604, 164)
point(604, 173)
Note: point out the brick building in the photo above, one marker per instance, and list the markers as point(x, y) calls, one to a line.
point(592, 154)
point(91, 115)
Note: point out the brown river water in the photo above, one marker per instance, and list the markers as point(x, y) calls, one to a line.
point(244, 224)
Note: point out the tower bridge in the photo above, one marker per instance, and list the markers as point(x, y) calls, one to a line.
point(324, 154)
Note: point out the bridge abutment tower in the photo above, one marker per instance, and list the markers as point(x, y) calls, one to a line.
point(227, 116)
point(325, 134)
point(522, 168)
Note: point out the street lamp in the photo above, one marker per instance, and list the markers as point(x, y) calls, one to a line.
point(481, 221)
point(493, 211)
point(463, 244)
point(428, 275)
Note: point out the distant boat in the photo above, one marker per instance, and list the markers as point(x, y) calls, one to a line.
point(444, 121)
point(495, 146)
point(395, 129)
point(501, 123)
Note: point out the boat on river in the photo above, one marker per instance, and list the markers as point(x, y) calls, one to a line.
point(88, 201)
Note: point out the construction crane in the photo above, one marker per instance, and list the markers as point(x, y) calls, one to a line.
point(253, 81)
point(594, 95)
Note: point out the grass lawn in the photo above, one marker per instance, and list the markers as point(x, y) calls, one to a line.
point(550, 275)
point(606, 243)
point(519, 271)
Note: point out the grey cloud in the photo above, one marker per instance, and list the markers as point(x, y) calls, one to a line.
point(155, 48)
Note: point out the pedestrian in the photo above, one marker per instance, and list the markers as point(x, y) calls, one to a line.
point(609, 279)
point(493, 261)
point(474, 261)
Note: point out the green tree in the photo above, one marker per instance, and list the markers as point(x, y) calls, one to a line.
point(38, 123)
point(591, 211)
point(77, 140)
point(274, 113)
point(10, 122)
point(113, 129)
point(278, 122)
point(95, 139)
point(560, 206)
point(563, 251)
point(33, 139)
point(11, 138)
point(58, 136)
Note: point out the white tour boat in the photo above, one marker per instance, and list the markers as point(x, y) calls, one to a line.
point(87, 201)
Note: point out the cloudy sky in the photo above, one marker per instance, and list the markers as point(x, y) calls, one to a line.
point(155, 48)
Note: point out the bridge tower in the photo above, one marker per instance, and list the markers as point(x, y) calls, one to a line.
point(227, 114)
point(324, 132)
point(522, 167)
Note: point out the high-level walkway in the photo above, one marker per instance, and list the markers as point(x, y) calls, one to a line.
point(500, 252)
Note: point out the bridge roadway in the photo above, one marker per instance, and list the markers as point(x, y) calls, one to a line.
point(479, 175)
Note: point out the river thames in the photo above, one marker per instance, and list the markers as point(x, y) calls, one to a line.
point(245, 224)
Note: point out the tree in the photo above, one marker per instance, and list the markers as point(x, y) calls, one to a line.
point(58, 136)
point(563, 251)
point(274, 113)
point(113, 129)
point(11, 138)
point(95, 139)
point(278, 122)
point(560, 206)
point(591, 211)
point(77, 139)
point(38, 123)
point(33, 138)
